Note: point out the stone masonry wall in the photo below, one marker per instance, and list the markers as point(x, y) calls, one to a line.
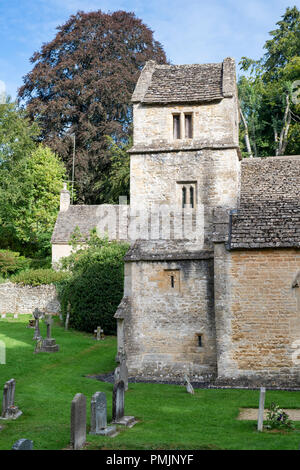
point(155, 180)
point(213, 123)
point(258, 315)
point(15, 298)
point(162, 325)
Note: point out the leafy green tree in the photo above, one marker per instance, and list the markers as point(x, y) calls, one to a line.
point(269, 112)
point(31, 190)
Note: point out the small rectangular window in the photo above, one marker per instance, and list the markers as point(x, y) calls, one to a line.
point(176, 126)
point(188, 123)
point(200, 342)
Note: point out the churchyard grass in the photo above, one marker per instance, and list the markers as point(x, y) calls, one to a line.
point(169, 417)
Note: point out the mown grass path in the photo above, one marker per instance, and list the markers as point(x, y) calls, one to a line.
point(169, 418)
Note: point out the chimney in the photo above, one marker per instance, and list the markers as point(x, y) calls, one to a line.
point(64, 199)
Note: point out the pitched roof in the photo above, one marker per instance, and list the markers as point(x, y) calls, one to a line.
point(185, 83)
point(86, 218)
point(268, 215)
point(173, 83)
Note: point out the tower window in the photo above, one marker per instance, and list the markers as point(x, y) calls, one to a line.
point(176, 126)
point(188, 125)
point(188, 196)
point(172, 282)
point(200, 342)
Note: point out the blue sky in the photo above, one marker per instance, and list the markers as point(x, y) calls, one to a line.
point(191, 31)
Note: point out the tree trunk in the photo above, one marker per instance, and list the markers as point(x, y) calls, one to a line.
point(247, 140)
point(285, 128)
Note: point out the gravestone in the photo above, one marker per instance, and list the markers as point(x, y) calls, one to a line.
point(3, 315)
point(23, 444)
point(68, 316)
point(188, 385)
point(119, 406)
point(37, 315)
point(16, 315)
point(31, 323)
point(9, 409)
point(260, 420)
point(78, 421)
point(124, 371)
point(99, 333)
point(99, 416)
point(48, 344)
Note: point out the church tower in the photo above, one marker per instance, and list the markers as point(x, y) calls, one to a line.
point(184, 172)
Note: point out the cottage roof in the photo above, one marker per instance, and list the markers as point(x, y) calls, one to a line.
point(81, 216)
point(185, 83)
point(268, 215)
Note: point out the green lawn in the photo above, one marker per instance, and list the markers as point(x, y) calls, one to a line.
point(169, 418)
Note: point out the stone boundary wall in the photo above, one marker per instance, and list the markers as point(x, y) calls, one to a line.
point(15, 298)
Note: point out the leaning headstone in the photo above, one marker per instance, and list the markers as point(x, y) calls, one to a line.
point(99, 416)
point(119, 406)
point(48, 344)
point(188, 385)
point(260, 420)
point(78, 421)
point(9, 409)
point(23, 444)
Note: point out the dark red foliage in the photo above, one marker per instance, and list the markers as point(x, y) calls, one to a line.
point(82, 82)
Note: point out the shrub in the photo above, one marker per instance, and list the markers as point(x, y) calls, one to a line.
point(37, 277)
point(96, 287)
point(278, 419)
point(11, 262)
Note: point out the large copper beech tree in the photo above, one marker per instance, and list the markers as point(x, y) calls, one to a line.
point(81, 84)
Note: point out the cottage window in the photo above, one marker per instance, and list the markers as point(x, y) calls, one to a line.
point(176, 126)
point(188, 124)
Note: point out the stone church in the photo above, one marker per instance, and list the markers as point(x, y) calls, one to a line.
point(219, 301)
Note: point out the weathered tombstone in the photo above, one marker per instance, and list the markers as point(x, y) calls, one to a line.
point(78, 421)
point(3, 315)
point(9, 409)
point(37, 315)
point(99, 416)
point(119, 406)
point(260, 420)
point(23, 444)
point(124, 371)
point(99, 333)
point(188, 385)
point(48, 344)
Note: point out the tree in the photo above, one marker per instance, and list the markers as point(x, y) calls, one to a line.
point(82, 82)
point(270, 115)
point(30, 200)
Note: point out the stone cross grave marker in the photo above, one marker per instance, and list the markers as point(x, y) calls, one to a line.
point(99, 416)
point(23, 444)
point(99, 333)
point(117, 374)
point(48, 344)
point(9, 410)
point(78, 421)
point(119, 406)
point(260, 420)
